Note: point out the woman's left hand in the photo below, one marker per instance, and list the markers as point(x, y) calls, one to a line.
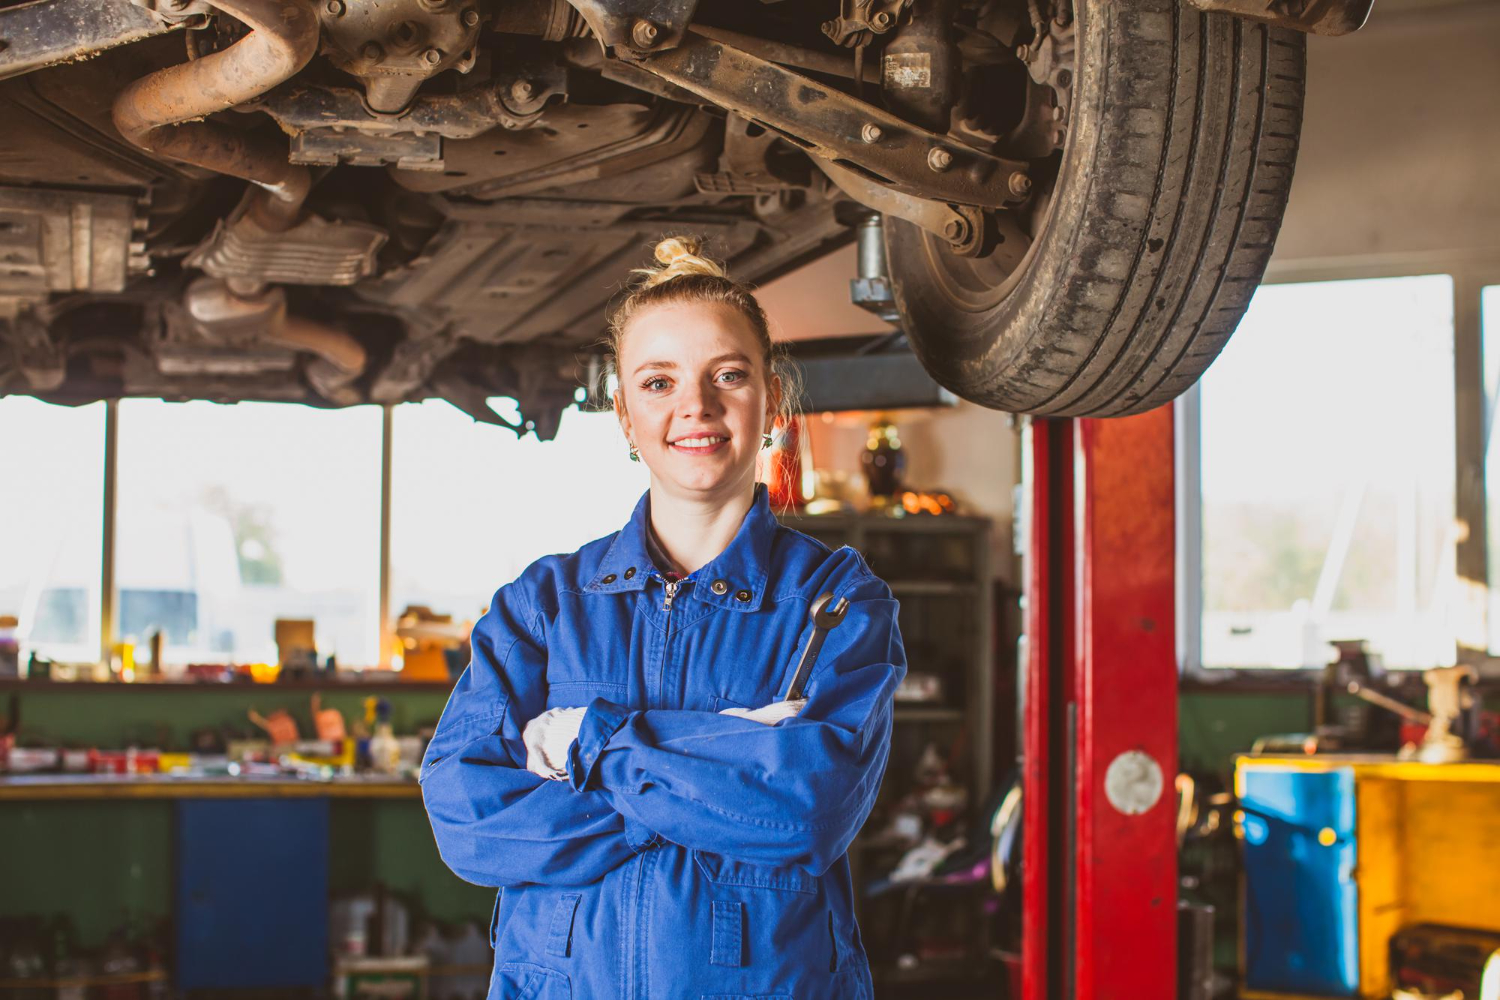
point(548, 738)
point(770, 714)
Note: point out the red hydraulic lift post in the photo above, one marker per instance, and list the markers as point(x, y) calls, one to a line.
point(1099, 713)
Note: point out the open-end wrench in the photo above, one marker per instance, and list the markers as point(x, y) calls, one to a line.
point(824, 618)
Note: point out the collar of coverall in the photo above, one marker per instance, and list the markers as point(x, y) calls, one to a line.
point(734, 579)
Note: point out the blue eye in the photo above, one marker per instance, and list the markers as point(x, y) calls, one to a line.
point(654, 384)
point(734, 376)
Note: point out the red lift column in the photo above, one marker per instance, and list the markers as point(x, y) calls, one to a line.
point(1099, 719)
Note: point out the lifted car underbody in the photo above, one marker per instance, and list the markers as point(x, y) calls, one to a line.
point(373, 201)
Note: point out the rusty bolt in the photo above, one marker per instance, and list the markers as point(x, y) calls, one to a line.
point(521, 90)
point(954, 230)
point(335, 8)
point(645, 33)
point(432, 57)
point(372, 51)
point(939, 159)
point(871, 132)
point(470, 18)
point(881, 21)
point(1020, 184)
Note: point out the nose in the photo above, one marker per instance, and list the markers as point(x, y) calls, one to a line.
point(697, 399)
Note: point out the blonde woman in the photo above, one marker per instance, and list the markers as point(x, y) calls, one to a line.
point(618, 758)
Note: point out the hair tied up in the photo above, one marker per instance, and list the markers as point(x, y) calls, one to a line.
point(680, 257)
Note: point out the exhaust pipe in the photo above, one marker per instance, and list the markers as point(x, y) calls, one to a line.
point(222, 316)
point(159, 112)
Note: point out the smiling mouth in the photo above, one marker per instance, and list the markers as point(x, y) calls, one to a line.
point(702, 445)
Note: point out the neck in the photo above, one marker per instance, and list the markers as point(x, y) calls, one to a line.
point(695, 530)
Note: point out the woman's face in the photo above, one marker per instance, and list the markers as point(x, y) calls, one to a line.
point(695, 397)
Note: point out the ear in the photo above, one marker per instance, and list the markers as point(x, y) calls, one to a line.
point(773, 402)
point(622, 414)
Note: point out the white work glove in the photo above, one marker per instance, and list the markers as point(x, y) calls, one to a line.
point(548, 738)
point(769, 714)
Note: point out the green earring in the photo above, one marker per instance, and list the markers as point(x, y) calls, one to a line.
point(635, 455)
point(765, 441)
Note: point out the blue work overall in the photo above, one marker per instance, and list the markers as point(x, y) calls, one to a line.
point(688, 854)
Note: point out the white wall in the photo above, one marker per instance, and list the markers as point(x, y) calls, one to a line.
point(1400, 152)
point(967, 451)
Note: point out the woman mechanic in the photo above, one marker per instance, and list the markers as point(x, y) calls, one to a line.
point(616, 757)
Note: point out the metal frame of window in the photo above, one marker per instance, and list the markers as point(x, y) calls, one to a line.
point(1473, 418)
point(108, 594)
point(387, 627)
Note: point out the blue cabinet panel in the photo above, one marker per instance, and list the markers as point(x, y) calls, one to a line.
point(1301, 926)
point(252, 893)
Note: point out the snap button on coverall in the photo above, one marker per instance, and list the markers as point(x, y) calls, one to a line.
point(688, 854)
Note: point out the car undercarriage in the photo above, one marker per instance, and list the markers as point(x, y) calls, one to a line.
point(375, 201)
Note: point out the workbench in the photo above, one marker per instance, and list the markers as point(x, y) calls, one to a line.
point(250, 867)
point(1342, 851)
point(52, 787)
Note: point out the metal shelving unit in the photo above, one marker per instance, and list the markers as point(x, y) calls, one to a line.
point(926, 559)
point(939, 569)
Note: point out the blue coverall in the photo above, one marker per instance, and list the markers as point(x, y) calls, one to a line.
point(688, 854)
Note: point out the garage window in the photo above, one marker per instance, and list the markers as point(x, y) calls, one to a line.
point(1327, 457)
point(472, 505)
point(51, 498)
point(1489, 319)
point(230, 517)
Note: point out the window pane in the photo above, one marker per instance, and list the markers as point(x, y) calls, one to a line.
point(1327, 476)
point(233, 516)
point(51, 525)
point(1489, 320)
point(472, 505)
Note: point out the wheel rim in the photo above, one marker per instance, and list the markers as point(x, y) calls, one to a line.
point(978, 284)
point(981, 284)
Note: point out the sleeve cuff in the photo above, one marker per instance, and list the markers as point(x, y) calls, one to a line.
point(600, 722)
point(639, 837)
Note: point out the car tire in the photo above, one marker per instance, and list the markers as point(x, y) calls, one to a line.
point(1170, 191)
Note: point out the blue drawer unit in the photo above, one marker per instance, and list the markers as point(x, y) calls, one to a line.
point(1301, 933)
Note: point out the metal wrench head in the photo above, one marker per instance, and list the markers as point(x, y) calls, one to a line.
point(826, 617)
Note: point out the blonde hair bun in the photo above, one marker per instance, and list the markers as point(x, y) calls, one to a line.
point(679, 257)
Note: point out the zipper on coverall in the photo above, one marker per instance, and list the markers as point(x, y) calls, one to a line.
point(671, 586)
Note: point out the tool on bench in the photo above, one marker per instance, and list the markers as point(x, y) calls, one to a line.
point(824, 619)
point(1448, 699)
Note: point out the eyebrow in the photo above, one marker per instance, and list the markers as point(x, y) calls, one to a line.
point(668, 365)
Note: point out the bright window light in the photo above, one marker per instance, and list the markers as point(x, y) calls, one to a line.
point(233, 516)
point(1328, 477)
point(472, 505)
point(51, 525)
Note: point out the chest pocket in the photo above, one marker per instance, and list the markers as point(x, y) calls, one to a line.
point(728, 872)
